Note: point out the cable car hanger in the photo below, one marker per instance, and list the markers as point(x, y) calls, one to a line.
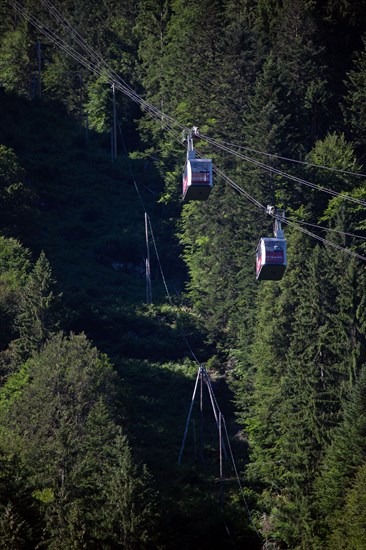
point(197, 174)
point(271, 252)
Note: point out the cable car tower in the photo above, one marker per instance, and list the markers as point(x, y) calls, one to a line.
point(197, 175)
point(271, 252)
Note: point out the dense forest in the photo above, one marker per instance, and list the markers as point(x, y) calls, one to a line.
point(114, 292)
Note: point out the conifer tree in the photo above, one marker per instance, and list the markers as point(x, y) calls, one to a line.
point(343, 458)
point(75, 461)
point(14, 270)
point(36, 318)
point(15, 196)
point(16, 61)
point(349, 528)
point(354, 107)
point(300, 57)
point(334, 151)
point(318, 370)
point(276, 307)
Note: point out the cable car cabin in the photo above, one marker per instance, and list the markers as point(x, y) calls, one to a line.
point(197, 179)
point(271, 259)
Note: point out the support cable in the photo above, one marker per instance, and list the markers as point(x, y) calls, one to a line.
point(276, 171)
point(238, 479)
point(96, 65)
point(202, 372)
point(189, 417)
point(215, 407)
point(288, 222)
point(330, 229)
point(202, 418)
point(100, 60)
point(159, 263)
point(296, 161)
point(148, 270)
point(131, 171)
point(99, 66)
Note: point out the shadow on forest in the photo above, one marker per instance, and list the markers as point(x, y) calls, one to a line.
point(89, 221)
point(193, 502)
point(127, 333)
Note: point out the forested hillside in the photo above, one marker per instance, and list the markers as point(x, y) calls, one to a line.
point(96, 371)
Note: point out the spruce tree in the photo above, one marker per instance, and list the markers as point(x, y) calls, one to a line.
point(355, 100)
point(36, 318)
point(15, 266)
point(348, 530)
point(343, 458)
point(15, 196)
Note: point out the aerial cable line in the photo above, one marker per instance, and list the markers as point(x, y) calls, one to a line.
point(79, 40)
point(325, 241)
point(220, 421)
point(149, 299)
point(296, 224)
point(115, 78)
point(131, 171)
point(276, 171)
point(157, 114)
point(96, 65)
point(238, 478)
point(64, 46)
point(287, 159)
point(100, 67)
point(288, 222)
point(330, 229)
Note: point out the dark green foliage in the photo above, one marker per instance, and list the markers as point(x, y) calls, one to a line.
point(354, 100)
point(15, 61)
point(279, 77)
point(14, 270)
point(56, 416)
point(36, 318)
point(15, 197)
point(343, 458)
point(349, 530)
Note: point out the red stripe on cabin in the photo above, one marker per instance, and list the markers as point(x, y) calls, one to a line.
point(198, 178)
point(276, 257)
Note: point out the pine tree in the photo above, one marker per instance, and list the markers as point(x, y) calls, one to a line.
point(276, 307)
point(319, 368)
point(300, 56)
